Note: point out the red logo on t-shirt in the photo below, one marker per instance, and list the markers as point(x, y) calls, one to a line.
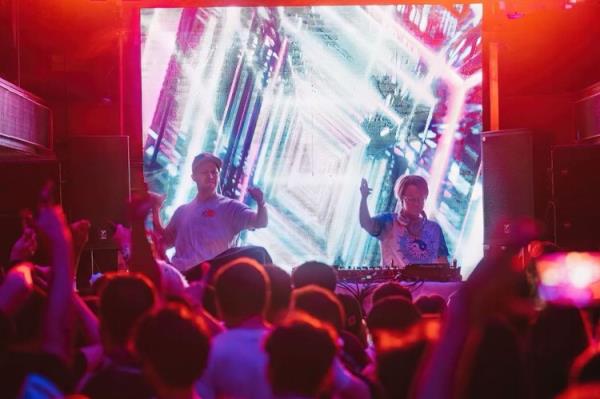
point(208, 213)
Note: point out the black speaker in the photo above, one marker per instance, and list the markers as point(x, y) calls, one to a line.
point(576, 196)
point(20, 182)
point(508, 187)
point(97, 185)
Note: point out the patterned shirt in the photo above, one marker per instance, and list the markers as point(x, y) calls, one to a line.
point(400, 248)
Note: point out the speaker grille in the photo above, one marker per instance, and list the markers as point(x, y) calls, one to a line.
point(507, 162)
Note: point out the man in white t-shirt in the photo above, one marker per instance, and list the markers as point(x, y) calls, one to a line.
point(237, 362)
point(210, 223)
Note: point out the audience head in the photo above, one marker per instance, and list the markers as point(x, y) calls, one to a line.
point(431, 305)
point(124, 297)
point(242, 290)
point(173, 346)
point(497, 368)
point(316, 273)
point(391, 288)
point(300, 357)
point(558, 336)
point(392, 314)
point(281, 293)
point(319, 303)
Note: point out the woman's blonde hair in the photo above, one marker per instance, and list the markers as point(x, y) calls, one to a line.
point(404, 181)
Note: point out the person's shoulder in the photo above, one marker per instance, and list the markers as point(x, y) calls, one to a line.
point(432, 225)
point(183, 208)
point(386, 217)
point(230, 202)
point(115, 378)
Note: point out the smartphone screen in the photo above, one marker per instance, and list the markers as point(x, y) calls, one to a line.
point(569, 277)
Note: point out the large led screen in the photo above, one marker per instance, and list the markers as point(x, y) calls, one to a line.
point(303, 102)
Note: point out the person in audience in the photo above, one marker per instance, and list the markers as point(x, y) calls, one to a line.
point(431, 304)
point(323, 305)
point(489, 294)
point(45, 353)
point(281, 293)
point(210, 223)
point(172, 345)
point(558, 336)
point(124, 298)
point(406, 236)
point(395, 368)
point(390, 288)
point(394, 313)
point(497, 368)
point(316, 273)
point(301, 353)
point(237, 361)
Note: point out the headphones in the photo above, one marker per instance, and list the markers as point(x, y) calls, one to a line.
point(414, 226)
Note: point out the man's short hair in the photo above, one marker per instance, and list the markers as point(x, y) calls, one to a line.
point(124, 298)
point(242, 289)
point(300, 355)
point(393, 313)
point(432, 304)
point(391, 288)
point(316, 273)
point(321, 304)
point(175, 343)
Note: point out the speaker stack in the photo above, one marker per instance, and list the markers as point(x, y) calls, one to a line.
point(508, 183)
point(576, 196)
point(97, 188)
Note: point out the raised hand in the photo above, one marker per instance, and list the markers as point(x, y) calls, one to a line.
point(257, 194)
point(81, 233)
point(25, 247)
point(364, 188)
point(53, 227)
point(16, 288)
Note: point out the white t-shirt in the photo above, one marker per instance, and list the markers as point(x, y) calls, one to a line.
point(237, 366)
point(201, 230)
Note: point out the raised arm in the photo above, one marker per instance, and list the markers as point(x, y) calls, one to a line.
point(261, 218)
point(366, 221)
point(142, 260)
point(57, 325)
